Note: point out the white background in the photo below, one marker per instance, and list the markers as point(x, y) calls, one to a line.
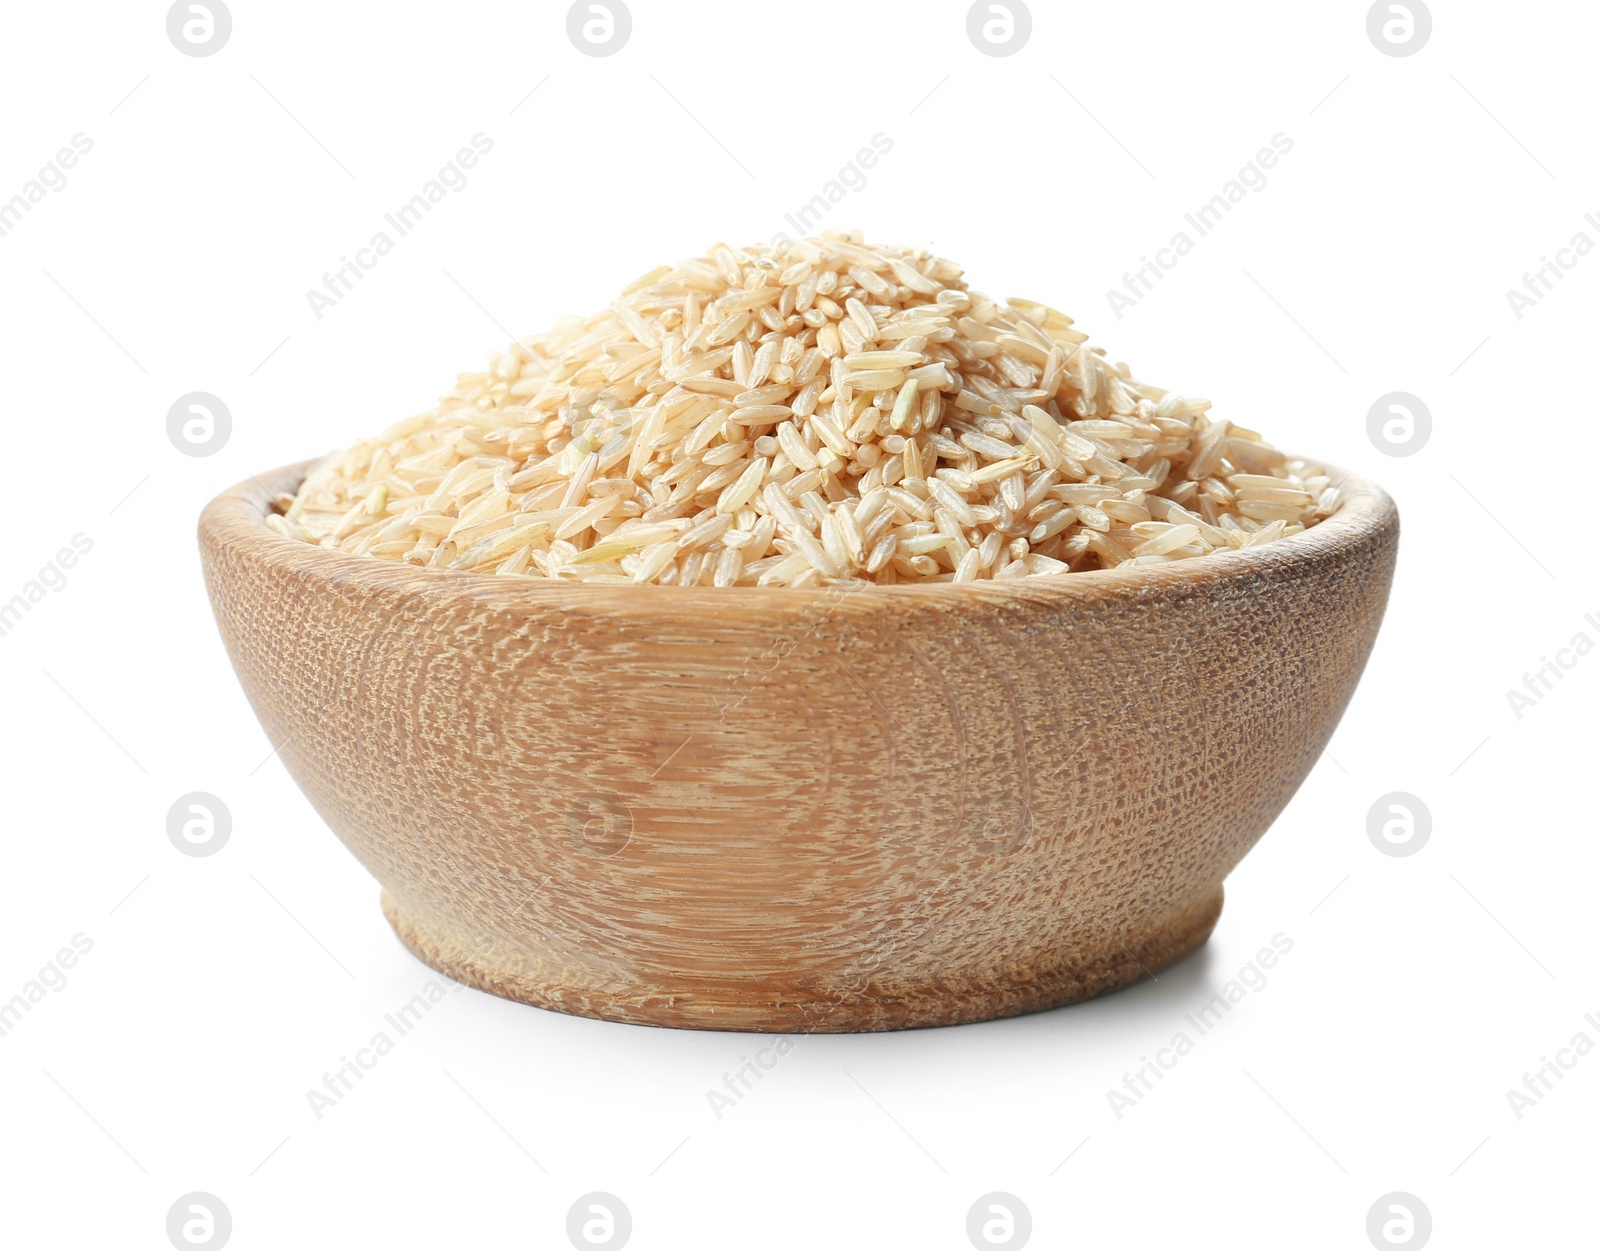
point(177, 258)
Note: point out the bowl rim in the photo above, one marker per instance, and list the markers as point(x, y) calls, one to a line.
point(235, 519)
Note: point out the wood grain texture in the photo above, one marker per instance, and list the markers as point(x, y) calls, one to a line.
point(800, 810)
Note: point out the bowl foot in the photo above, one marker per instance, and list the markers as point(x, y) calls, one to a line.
point(760, 1008)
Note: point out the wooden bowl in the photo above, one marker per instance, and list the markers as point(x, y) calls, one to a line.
point(800, 810)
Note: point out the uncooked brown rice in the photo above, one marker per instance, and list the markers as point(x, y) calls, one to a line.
point(825, 411)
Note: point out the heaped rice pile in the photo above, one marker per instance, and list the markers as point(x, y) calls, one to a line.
point(803, 415)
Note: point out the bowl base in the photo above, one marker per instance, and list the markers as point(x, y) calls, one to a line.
point(756, 1010)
